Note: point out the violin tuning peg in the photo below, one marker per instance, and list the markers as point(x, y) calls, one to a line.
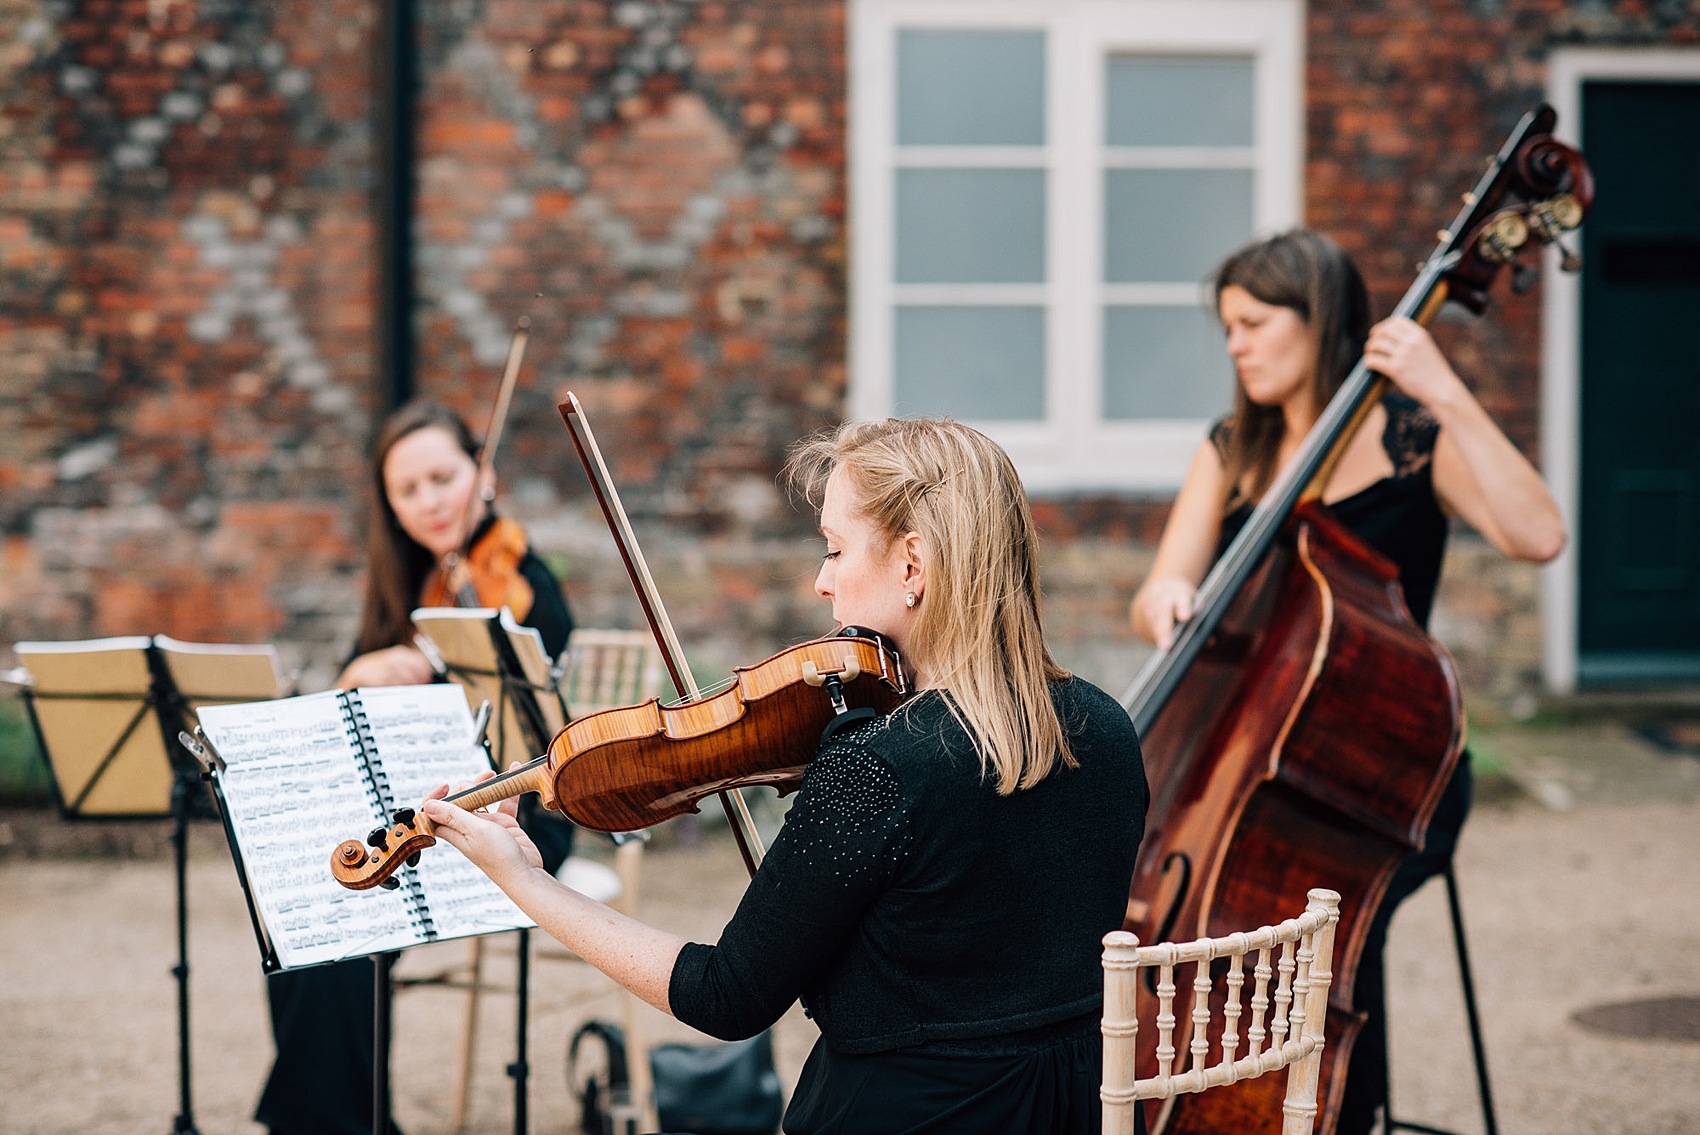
point(378, 838)
point(390, 883)
point(413, 860)
point(402, 817)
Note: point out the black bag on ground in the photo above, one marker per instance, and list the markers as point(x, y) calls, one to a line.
point(714, 1089)
point(720, 1089)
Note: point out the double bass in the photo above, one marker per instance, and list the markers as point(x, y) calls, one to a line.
point(1301, 727)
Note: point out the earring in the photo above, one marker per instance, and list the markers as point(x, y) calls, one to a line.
point(910, 599)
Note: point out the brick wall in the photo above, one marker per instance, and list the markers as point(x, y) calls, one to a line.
point(657, 187)
point(185, 317)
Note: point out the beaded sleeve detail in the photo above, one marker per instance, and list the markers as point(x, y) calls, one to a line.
point(849, 818)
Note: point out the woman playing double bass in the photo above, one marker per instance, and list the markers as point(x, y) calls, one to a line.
point(1296, 315)
point(939, 888)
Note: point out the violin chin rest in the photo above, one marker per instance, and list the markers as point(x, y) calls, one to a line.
point(847, 720)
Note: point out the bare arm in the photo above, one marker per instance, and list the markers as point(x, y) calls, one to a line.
point(633, 953)
point(1478, 473)
point(391, 666)
point(1185, 551)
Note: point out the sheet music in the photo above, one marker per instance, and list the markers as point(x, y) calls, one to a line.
point(94, 705)
point(295, 786)
point(294, 789)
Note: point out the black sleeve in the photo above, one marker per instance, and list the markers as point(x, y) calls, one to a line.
point(549, 614)
point(842, 843)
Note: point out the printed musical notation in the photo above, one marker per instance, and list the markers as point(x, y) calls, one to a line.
point(303, 774)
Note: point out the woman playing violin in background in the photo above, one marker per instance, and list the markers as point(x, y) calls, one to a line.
point(1296, 315)
point(938, 891)
point(427, 497)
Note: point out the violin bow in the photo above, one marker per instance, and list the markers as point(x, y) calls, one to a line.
point(649, 598)
point(487, 452)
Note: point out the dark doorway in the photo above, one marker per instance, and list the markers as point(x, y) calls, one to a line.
point(1638, 544)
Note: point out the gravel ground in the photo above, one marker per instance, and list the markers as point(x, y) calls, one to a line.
point(1579, 881)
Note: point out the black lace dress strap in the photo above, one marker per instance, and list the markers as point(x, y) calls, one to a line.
point(1399, 516)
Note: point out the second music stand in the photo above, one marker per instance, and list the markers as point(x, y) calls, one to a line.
point(106, 714)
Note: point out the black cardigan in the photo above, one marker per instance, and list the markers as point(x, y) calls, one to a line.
point(908, 903)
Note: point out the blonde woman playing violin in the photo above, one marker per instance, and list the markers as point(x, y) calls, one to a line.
point(938, 891)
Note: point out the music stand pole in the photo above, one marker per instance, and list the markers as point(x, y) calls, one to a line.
point(172, 710)
point(519, 1069)
point(182, 786)
point(383, 967)
point(518, 692)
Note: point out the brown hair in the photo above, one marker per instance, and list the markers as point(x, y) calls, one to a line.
point(977, 633)
point(1310, 274)
point(396, 566)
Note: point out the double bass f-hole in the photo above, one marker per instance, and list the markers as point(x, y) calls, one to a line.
point(1166, 928)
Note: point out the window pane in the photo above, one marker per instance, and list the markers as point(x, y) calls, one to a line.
point(980, 363)
point(1172, 225)
point(970, 87)
point(1178, 101)
point(970, 226)
point(1164, 362)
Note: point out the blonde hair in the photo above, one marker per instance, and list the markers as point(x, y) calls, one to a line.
point(977, 632)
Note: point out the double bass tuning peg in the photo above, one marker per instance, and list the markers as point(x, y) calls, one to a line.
point(1523, 277)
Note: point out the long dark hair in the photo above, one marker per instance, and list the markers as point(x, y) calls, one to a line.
point(1305, 271)
point(396, 566)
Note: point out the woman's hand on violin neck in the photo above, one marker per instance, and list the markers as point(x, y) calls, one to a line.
point(392, 666)
point(1406, 353)
point(1159, 607)
point(493, 841)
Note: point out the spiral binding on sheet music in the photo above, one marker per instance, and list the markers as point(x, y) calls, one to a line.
point(378, 788)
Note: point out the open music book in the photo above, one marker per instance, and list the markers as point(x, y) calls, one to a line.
point(300, 775)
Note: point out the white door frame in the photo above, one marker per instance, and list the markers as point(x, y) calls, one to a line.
point(1561, 335)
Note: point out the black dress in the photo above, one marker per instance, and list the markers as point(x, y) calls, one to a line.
point(1401, 518)
point(944, 937)
point(323, 1017)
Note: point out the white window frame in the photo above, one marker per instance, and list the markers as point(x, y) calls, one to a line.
point(1073, 449)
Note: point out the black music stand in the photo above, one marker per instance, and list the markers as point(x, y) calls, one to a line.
point(106, 714)
point(499, 662)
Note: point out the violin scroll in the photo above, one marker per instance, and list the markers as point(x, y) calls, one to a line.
point(400, 843)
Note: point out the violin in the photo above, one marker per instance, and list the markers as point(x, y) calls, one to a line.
point(630, 767)
point(487, 575)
